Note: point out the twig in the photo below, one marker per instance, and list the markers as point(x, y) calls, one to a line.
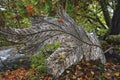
point(108, 50)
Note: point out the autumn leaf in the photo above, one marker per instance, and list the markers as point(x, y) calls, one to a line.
point(49, 78)
point(79, 67)
point(74, 77)
point(88, 64)
point(67, 71)
point(29, 8)
point(108, 64)
point(117, 74)
point(60, 20)
point(92, 73)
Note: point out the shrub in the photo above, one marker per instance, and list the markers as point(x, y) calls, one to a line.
point(38, 60)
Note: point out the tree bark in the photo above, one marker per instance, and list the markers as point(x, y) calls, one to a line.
point(105, 12)
point(115, 26)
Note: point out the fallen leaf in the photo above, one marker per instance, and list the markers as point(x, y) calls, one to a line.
point(117, 74)
point(74, 77)
point(92, 73)
point(79, 67)
point(67, 71)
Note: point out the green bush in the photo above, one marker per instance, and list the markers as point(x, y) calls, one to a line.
point(114, 39)
point(38, 60)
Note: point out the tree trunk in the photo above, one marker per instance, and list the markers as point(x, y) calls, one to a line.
point(76, 43)
point(105, 11)
point(115, 24)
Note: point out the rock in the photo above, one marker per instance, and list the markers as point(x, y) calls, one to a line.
point(21, 62)
point(9, 53)
point(11, 59)
point(4, 54)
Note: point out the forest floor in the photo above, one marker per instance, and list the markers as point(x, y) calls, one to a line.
point(92, 70)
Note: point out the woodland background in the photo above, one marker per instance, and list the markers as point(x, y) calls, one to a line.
point(100, 16)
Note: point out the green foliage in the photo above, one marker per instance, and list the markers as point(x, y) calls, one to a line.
point(103, 43)
point(4, 42)
point(101, 32)
point(87, 13)
point(38, 60)
point(115, 39)
point(50, 47)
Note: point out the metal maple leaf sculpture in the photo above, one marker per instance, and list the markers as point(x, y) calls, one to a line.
point(76, 43)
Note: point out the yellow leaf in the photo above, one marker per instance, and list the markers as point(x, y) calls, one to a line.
point(67, 71)
point(92, 73)
point(74, 77)
point(79, 79)
point(79, 67)
point(88, 64)
point(117, 74)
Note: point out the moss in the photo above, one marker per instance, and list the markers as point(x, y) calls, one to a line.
point(38, 60)
point(114, 39)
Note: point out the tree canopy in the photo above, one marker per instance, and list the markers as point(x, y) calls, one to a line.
point(95, 15)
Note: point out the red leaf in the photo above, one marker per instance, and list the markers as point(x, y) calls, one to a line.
point(60, 20)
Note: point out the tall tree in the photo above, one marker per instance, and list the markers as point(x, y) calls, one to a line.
point(115, 24)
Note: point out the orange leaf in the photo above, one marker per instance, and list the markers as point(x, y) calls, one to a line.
point(60, 20)
point(49, 78)
point(29, 8)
